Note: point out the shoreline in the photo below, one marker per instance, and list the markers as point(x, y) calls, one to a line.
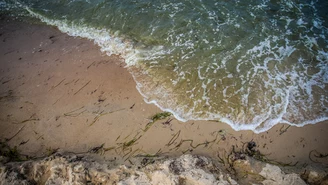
point(61, 93)
point(124, 47)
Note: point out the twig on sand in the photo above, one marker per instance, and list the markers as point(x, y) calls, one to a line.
point(96, 149)
point(282, 130)
point(40, 137)
point(159, 152)
point(91, 64)
point(191, 143)
point(32, 118)
point(74, 113)
point(132, 153)
point(4, 82)
point(221, 160)
point(188, 150)
point(100, 149)
point(167, 122)
point(174, 138)
point(82, 87)
point(132, 106)
point(109, 148)
point(57, 100)
point(8, 139)
point(24, 142)
point(206, 143)
point(103, 114)
point(97, 117)
point(9, 52)
point(57, 85)
point(130, 150)
point(277, 163)
point(69, 82)
point(316, 154)
point(213, 142)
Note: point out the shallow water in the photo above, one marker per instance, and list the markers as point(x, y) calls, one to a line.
point(250, 64)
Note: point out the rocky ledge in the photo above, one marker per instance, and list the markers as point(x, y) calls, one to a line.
point(186, 169)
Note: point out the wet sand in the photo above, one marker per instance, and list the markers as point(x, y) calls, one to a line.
point(61, 92)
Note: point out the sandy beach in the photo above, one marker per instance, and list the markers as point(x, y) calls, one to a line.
point(60, 93)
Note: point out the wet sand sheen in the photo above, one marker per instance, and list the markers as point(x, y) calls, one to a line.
point(60, 92)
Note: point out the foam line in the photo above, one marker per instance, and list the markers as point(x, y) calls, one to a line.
point(263, 76)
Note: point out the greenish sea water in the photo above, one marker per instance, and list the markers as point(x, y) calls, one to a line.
point(251, 64)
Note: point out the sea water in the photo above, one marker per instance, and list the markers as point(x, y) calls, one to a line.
point(250, 64)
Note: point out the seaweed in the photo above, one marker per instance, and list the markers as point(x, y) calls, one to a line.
point(146, 155)
point(131, 142)
point(128, 144)
point(174, 138)
point(191, 144)
point(50, 151)
point(156, 117)
point(96, 149)
point(11, 153)
point(221, 160)
point(317, 155)
point(103, 114)
point(75, 112)
point(256, 154)
point(131, 154)
point(160, 116)
point(100, 149)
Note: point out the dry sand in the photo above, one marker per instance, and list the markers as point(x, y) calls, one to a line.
point(60, 92)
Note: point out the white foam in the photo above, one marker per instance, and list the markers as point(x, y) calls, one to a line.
point(3, 4)
point(110, 44)
point(285, 84)
point(300, 22)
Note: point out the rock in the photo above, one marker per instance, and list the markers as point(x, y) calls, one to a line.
point(59, 169)
point(324, 182)
point(247, 171)
point(78, 168)
point(185, 170)
point(314, 176)
point(274, 176)
point(3, 159)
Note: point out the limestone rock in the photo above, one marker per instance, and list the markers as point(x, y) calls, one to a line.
point(185, 170)
point(60, 169)
point(274, 176)
point(314, 176)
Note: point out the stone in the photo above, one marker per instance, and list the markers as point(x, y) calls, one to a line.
point(274, 176)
